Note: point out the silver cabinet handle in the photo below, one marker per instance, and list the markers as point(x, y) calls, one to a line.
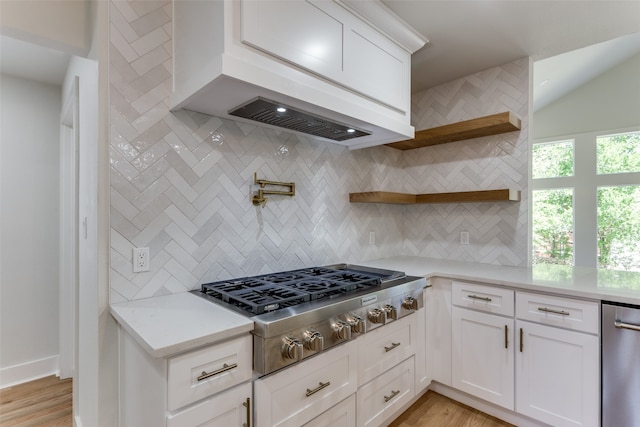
point(247, 404)
point(391, 347)
point(224, 368)
point(317, 389)
point(622, 325)
point(487, 299)
point(394, 393)
point(548, 310)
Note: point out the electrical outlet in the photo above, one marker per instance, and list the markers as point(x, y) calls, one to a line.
point(464, 237)
point(141, 260)
point(372, 237)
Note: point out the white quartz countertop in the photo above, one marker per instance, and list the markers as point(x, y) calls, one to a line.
point(171, 324)
point(582, 282)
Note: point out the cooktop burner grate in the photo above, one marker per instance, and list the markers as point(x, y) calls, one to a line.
point(261, 294)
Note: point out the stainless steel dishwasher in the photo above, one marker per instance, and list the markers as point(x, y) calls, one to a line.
point(620, 365)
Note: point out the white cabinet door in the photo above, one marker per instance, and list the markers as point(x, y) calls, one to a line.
point(439, 325)
point(483, 359)
point(558, 375)
point(227, 409)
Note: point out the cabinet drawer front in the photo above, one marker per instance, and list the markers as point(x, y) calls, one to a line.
point(386, 394)
point(224, 409)
point(385, 347)
point(301, 392)
point(198, 374)
point(341, 415)
point(485, 298)
point(557, 311)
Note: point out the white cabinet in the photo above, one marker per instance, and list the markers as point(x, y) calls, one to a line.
point(348, 62)
point(383, 348)
point(558, 370)
point(300, 393)
point(209, 385)
point(439, 329)
point(482, 352)
point(227, 409)
point(483, 356)
point(386, 394)
point(341, 415)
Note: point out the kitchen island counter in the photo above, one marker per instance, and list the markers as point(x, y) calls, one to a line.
point(171, 324)
point(581, 282)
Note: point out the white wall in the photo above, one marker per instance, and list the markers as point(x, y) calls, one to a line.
point(62, 24)
point(610, 101)
point(29, 148)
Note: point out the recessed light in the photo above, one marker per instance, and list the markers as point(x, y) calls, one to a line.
point(351, 130)
point(281, 109)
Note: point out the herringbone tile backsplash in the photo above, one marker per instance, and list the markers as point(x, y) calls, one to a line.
point(181, 182)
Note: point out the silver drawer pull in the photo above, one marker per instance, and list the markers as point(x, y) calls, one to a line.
point(548, 310)
point(623, 325)
point(321, 385)
point(391, 347)
point(247, 404)
point(394, 393)
point(487, 299)
point(224, 368)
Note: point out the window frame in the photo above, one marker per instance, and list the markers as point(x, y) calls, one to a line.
point(585, 183)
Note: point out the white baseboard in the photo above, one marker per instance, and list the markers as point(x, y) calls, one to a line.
point(29, 371)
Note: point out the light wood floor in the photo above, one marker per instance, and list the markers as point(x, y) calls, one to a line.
point(44, 403)
point(47, 403)
point(435, 410)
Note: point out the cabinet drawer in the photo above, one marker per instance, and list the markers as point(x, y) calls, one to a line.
point(485, 298)
point(301, 392)
point(223, 410)
point(385, 395)
point(341, 415)
point(198, 374)
point(385, 347)
point(558, 311)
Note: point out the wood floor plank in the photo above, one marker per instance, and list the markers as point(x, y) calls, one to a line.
point(46, 402)
point(435, 410)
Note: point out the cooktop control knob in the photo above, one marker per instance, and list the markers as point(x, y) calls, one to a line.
point(391, 311)
point(378, 316)
point(291, 348)
point(410, 303)
point(313, 340)
point(342, 330)
point(357, 324)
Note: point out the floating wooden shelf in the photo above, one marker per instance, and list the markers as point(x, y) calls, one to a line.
point(475, 128)
point(502, 195)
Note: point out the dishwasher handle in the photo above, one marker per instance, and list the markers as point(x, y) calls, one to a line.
point(622, 325)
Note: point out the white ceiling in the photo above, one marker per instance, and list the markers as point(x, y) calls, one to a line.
point(466, 36)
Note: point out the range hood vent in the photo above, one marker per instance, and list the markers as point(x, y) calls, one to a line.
point(275, 114)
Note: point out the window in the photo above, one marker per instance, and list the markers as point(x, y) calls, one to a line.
point(586, 201)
